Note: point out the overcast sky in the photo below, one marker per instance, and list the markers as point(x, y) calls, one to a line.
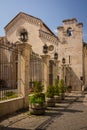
point(51, 12)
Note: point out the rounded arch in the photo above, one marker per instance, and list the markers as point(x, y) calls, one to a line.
point(22, 34)
point(69, 31)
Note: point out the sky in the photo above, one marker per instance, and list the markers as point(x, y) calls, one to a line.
point(51, 12)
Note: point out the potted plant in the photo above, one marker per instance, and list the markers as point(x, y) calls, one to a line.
point(37, 100)
point(62, 89)
point(57, 92)
point(69, 89)
point(50, 101)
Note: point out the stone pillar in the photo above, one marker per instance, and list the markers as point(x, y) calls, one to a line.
point(45, 59)
point(24, 51)
point(63, 68)
point(55, 71)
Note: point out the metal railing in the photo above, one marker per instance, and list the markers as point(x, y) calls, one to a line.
point(8, 70)
point(8, 93)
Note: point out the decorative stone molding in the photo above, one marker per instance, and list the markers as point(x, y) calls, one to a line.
point(49, 37)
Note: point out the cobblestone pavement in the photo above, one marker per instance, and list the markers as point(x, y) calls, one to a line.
point(71, 114)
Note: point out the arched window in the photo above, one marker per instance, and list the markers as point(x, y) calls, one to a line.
point(23, 35)
point(69, 32)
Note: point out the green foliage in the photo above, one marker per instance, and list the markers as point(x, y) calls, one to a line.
point(13, 96)
point(56, 88)
point(38, 87)
point(50, 91)
point(37, 98)
point(62, 86)
point(9, 95)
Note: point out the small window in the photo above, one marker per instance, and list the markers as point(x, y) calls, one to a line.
point(69, 32)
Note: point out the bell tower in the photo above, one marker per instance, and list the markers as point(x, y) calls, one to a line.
point(70, 48)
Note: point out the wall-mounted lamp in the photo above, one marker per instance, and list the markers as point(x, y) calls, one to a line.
point(63, 60)
point(46, 49)
point(55, 55)
point(81, 78)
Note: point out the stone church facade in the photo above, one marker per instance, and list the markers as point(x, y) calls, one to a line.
point(72, 51)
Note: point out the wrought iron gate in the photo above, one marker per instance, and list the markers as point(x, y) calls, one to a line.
point(36, 68)
point(8, 65)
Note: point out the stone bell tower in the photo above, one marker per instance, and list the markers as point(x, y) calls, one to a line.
point(70, 51)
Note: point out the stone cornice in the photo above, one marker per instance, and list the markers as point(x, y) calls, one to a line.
point(49, 37)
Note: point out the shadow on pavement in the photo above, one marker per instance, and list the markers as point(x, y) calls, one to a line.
point(49, 121)
point(10, 128)
point(61, 110)
point(57, 111)
point(13, 114)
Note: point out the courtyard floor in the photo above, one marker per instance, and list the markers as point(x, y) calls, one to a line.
point(71, 114)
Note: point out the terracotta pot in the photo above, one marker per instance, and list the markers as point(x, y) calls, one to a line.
point(50, 102)
point(37, 108)
point(57, 98)
point(62, 96)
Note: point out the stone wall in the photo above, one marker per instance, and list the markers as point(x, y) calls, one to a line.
point(85, 65)
point(10, 106)
point(70, 47)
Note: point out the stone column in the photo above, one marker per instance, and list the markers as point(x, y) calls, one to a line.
point(24, 51)
point(45, 59)
point(55, 71)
